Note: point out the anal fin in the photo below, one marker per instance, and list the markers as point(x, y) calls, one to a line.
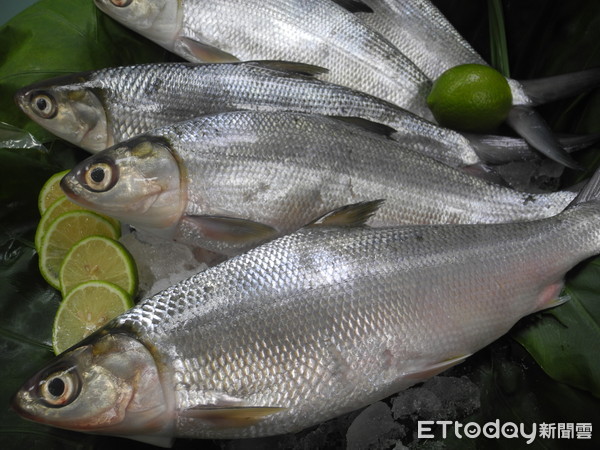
point(232, 229)
point(435, 369)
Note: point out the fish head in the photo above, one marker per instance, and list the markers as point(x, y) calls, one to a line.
point(107, 384)
point(158, 20)
point(139, 182)
point(69, 109)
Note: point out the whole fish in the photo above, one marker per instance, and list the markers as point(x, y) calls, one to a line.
point(320, 32)
point(308, 327)
point(97, 109)
point(420, 31)
point(225, 182)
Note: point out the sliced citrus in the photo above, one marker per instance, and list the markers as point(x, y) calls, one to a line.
point(88, 307)
point(64, 232)
point(98, 258)
point(51, 191)
point(470, 97)
point(61, 206)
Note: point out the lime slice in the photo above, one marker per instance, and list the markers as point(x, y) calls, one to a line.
point(98, 258)
point(61, 206)
point(470, 97)
point(64, 232)
point(87, 307)
point(51, 191)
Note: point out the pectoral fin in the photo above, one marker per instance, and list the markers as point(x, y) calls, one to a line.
point(205, 52)
point(232, 229)
point(231, 416)
point(503, 149)
point(544, 90)
point(436, 369)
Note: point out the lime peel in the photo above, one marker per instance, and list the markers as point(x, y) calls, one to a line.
point(471, 98)
point(64, 232)
point(88, 307)
point(51, 191)
point(98, 258)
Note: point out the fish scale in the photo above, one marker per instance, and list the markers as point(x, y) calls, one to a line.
point(375, 67)
point(309, 326)
point(283, 170)
point(420, 31)
point(334, 38)
point(380, 305)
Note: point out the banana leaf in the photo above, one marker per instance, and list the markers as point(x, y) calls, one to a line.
point(561, 383)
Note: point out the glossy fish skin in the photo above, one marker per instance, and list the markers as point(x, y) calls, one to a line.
point(282, 170)
point(318, 32)
point(328, 320)
point(116, 104)
point(420, 31)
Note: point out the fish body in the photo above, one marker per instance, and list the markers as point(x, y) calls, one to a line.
point(211, 180)
point(318, 32)
point(309, 326)
point(98, 109)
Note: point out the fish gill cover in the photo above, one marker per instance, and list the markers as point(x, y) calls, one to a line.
point(556, 380)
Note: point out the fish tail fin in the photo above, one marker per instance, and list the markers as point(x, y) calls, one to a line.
point(533, 128)
point(493, 149)
point(549, 89)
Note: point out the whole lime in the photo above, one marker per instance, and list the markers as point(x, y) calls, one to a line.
point(470, 97)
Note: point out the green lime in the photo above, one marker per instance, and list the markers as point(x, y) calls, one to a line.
point(87, 307)
point(98, 258)
point(470, 97)
point(51, 191)
point(60, 206)
point(64, 232)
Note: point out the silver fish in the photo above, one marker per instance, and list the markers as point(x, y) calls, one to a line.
point(419, 30)
point(97, 109)
point(308, 327)
point(227, 181)
point(318, 32)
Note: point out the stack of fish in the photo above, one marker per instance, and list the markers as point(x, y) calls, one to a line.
point(325, 315)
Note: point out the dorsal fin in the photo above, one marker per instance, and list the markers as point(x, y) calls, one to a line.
point(289, 67)
point(373, 127)
point(590, 192)
point(354, 5)
point(353, 215)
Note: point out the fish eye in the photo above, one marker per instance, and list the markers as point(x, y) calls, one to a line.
point(44, 106)
point(121, 3)
point(100, 176)
point(59, 388)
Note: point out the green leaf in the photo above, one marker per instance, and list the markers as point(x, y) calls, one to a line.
point(560, 341)
point(499, 51)
point(55, 37)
